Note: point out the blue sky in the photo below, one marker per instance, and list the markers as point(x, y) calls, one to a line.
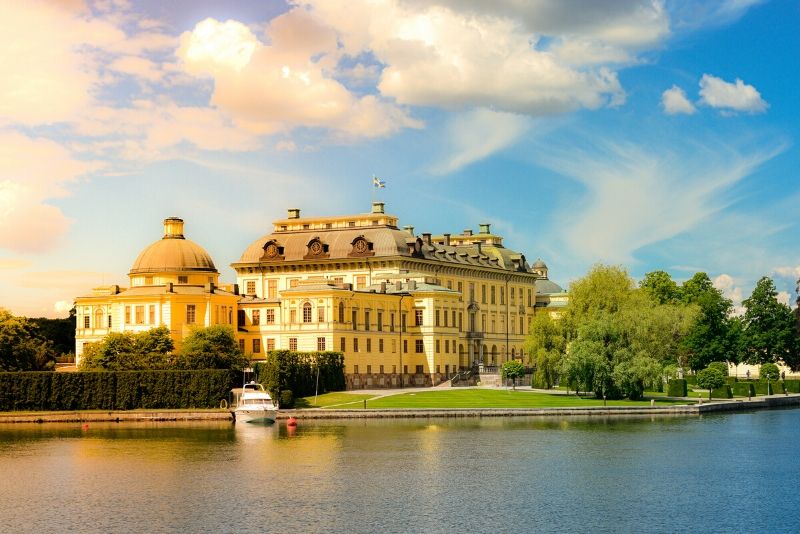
point(656, 135)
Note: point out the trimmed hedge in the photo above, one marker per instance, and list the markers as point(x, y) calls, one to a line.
point(691, 379)
point(723, 392)
point(731, 380)
point(297, 371)
point(778, 388)
point(792, 386)
point(677, 387)
point(743, 389)
point(115, 390)
point(761, 387)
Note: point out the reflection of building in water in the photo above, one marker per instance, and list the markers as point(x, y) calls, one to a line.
point(397, 304)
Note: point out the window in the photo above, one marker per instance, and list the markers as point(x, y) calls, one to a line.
point(241, 345)
point(369, 369)
point(307, 312)
point(438, 369)
point(320, 314)
point(418, 317)
point(320, 343)
point(251, 287)
point(292, 343)
point(460, 287)
point(190, 313)
point(256, 346)
point(403, 321)
point(369, 345)
point(355, 319)
point(86, 321)
point(420, 369)
point(109, 321)
point(361, 282)
point(338, 280)
point(342, 345)
point(491, 295)
point(483, 293)
point(446, 346)
point(381, 369)
point(139, 314)
point(502, 295)
point(127, 315)
point(355, 369)
point(272, 289)
point(471, 291)
point(151, 312)
point(366, 320)
point(437, 346)
point(240, 316)
point(341, 312)
point(148, 280)
point(183, 279)
point(436, 322)
point(292, 316)
point(391, 322)
point(460, 323)
point(454, 318)
point(512, 295)
point(405, 346)
point(380, 345)
point(380, 321)
point(256, 317)
point(355, 344)
point(293, 283)
point(521, 325)
point(419, 347)
point(270, 343)
point(445, 318)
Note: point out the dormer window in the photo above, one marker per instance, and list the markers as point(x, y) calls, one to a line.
point(183, 279)
point(316, 249)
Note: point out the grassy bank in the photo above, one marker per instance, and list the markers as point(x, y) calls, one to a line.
point(465, 398)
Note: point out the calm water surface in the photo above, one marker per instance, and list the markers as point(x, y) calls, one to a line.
point(720, 473)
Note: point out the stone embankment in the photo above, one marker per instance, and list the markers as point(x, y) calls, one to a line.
point(757, 403)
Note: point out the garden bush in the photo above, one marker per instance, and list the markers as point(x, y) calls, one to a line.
point(691, 379)
point(761, 387)
point(792, 386)
point(287, 399)
point(723, 392)
point(677, 388)
point(721, 366)
point(743, 389)
point(297, 371)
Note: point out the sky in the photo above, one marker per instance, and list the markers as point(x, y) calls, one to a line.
point(656, 135)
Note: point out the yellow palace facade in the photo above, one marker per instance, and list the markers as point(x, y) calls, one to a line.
point(399, 306)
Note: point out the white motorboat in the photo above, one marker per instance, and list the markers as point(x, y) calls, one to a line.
point(255, 405)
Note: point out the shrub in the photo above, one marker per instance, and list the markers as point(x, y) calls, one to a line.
point(743, 389)
point(297, 371)
point(691, 380)
point(710, 379)
point(722, 392)
point(792, 386)
point(769, 371)
point(677, 388)
point(763, 388)
point(721, 366)
point(287, 399)
point(731, 380)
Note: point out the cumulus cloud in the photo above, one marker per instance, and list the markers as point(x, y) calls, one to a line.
point(62, 306)
point(674, 101)
point(788, 272)
point(737, 96)
point(477, 134)
point(33, 171)
point(273, 87)
point(729, 288)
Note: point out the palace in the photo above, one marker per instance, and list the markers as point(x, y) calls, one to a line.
point(402, 308)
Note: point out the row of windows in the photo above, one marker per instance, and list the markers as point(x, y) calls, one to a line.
point(419, 369)
point(256, 344)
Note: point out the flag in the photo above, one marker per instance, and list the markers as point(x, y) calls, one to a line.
point(377, 183)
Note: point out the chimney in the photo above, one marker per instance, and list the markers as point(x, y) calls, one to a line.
point(235, 289)
point(294, 213)
point(409, 229)
point(427, 237)
point(173, 228)
point(478, 244)
point(377, 207)
point(447, 240)
point(484, 228)
point(467, 232)
point(383, 287)
point(398, 286)
point(209, 287)
point(169, 287)
point(412, 285)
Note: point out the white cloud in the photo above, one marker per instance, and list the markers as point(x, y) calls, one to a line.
point(637, 196)
point(788, 272)
point(784, 298)
point(273, 87)
point(737, 96)
point(729, 288)
point(62, 306)
point(477, 134)
point(674, 101)
point(33, 171)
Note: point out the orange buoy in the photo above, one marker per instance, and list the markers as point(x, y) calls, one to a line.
point(291, 422)
point(86, 426)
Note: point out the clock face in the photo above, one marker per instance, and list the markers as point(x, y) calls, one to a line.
point(315, 248)
point(360, 246)
point(271, 251)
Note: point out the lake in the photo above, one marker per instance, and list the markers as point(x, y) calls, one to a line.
point(714, 473)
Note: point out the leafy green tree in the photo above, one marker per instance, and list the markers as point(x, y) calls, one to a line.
point(710, 379)
point(585, 367)
point(546, 344)
point(513, 369)
point(214, 347)
point(721, 366)
point(708, 339)
point(21, 347)
point(769, 371)
point(128, 351)
point(769, 327)
point(660, 286)
point(634, 373)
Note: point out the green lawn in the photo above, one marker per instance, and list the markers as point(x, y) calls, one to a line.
point(337, 399)
point(468, 398)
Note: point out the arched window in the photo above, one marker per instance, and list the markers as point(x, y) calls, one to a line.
point(307, 312)
point(341, 312)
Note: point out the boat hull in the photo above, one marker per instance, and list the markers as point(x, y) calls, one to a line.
point(254, 416)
